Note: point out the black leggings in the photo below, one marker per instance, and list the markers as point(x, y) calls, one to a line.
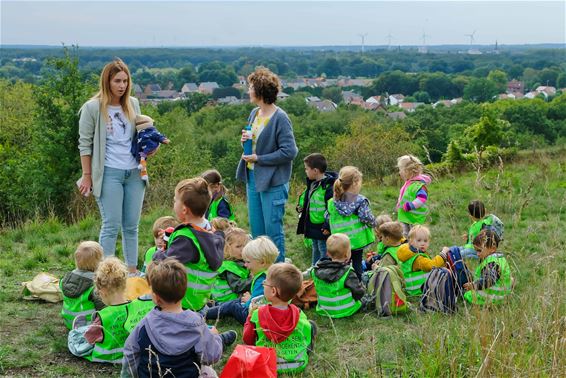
point(357, 256)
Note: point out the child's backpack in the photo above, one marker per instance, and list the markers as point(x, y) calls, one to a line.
point(493, 223)
point(438, 292)
point(459, 270)
point(386, 291)
point(306, 297)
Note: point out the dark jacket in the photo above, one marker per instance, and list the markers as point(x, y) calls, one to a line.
point(310, 230)
point(331, 271)
point(183, 249)
point(78, 281)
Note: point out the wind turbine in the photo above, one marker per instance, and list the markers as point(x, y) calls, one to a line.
point(363, 37)
point(389, 38)
point(423, 49)
point(471, 38)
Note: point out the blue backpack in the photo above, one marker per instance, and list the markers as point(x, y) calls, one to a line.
point(438, 292)
point(459, 270)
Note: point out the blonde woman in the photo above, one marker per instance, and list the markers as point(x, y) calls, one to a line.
point(109, 170)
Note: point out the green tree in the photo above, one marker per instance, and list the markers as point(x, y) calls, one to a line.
point(334, 94)
point(331, 67)
point(489, 131)
point(499, 78)
point(480, 90)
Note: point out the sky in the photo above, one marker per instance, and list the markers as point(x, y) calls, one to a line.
point(280, 23)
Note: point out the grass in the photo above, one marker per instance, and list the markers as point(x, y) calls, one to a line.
point(526, 337)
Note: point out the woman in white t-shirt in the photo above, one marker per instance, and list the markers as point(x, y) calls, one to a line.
point(109, 170)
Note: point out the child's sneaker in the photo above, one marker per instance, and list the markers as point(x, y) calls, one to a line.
point(228, 338)
point(314, 332)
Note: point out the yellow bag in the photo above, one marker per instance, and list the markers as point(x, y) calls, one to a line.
point(136, 287)
point(44, 286)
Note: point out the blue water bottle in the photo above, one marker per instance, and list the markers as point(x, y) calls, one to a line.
point(248, 143)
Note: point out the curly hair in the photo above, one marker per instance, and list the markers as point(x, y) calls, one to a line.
point(347, 177)
point(411, 165)
point(111, 275)
point(265, 84)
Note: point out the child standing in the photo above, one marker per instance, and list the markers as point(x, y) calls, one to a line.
point(219, 205)
point(476, 209)
point(178, 341)
point(320, 184)
point(415, 263)
point(77, 286)
point(159, 226)
point(492, 278)
point(281, 325)
point(259, 255)
point(338, 288)
point(107, 332)
point(349, 213)
point(412, 207)
point(200, 250)
point(233, 277)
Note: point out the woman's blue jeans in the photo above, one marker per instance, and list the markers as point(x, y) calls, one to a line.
point(266, 211)
point(120, 205)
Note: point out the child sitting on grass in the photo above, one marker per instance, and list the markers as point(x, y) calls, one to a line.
point(233, 277)
point(415, 263)
point(159, 228)
point(170, 339)
point(107, 332)
point(79, 297)
point(392, 238)
point(281, 325)
point(338, 288)
point(259, 254)
point(476, 210)
point(492, 279)
point(376, 255)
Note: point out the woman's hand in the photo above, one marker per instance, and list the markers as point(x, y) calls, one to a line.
point(250, 158)
point(85, 186)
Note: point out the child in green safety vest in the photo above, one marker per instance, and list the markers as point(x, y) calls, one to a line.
point(259, 254)
point(375, 256)
point(415, 263)
point(160, 225)
point(313, 203)
point(492, 279)
point(219, 205)
point(392, 238)
point(79, 297)
point(281, 325)
point(481, 221)
point(233, 278)
point(412, 206)
point(107, 332)
point(338, 288)
point(350, 213)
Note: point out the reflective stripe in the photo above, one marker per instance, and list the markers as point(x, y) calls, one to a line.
point(289, 365)
point(316, 202)
point(104, 351)
point(416, 287)
point(357, 230)
point(420, 212)
point(415, 278)
point(498, 288)
point(482, 293)
point(317, 208)
point(335, 299)
point(345, 224)
point(118, 361)
point(197, 286)
point(200, 273)
point(336, 308)
point(88, 312)
point(220, 287)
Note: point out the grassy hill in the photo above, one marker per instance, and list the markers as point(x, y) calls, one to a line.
point(526, 337)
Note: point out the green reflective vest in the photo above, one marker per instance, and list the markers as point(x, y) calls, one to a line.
point(392, 251)
point(500, 290)
point(413, 279)
point(317, 205)
point(73, 307)
point(415, 216)
point(137, 310)
point(200, 278)
point(359, 233)
point(475, 230)
point(213, 209)
point(112, 319)
point(291, 353)
point(221, 292)
point(256, 276)
point(148, 258)
point(334, 299)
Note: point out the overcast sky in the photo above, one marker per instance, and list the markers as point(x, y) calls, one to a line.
point(282, 23)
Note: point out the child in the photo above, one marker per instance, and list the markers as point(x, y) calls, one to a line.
point(159, 228)
point(146, 142)
point(200, 250)
point(373, 257)
point(219, 206)
point(338, 288)
point(222, 224)
point(392, 238)
point(107, 332)
point(415, 263)
point(349, 212)
point(476, 209)
point(178, 341)
point(412, 205)
point(233, 277)
point(281, 325)
point(319, 190)
point(77, 286)
point(492, 278)
point(259, 254)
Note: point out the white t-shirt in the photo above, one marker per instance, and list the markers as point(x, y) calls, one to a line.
point(118, 140)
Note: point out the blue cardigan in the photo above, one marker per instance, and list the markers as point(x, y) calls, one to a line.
point(275, 150)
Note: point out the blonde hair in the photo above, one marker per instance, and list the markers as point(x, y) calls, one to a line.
point(410, 164)
point(347, 177)
point(104, 94)
point(111, 275)
point(418, 229)
point(262, 250)
point(162, 223)
point(222, 224)
point(392, 230)
point(338, 245)
point(232, 236)
point(194, 194)
point(88, 255)
point(286, 278)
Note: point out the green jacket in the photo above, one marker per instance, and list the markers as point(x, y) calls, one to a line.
point(416, 216)
point(496, 293)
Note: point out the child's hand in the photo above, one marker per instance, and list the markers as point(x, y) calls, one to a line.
point(325, 232)
point(166, 141)
point(374, 266)
point(299, 209)
point(253, 306)
point(214, 330)
point(465, 237)
point(444, 253)
point(246, 297)
point(468, 286)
